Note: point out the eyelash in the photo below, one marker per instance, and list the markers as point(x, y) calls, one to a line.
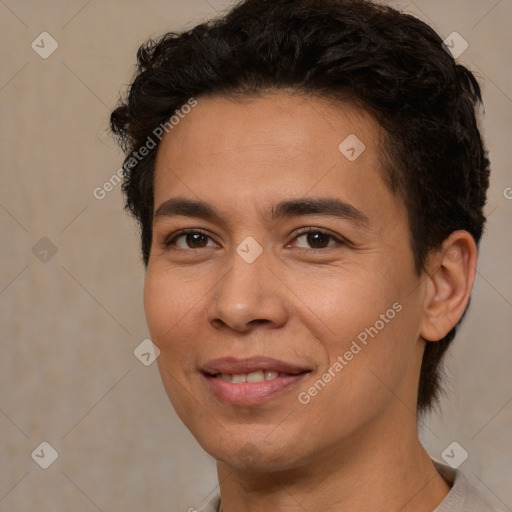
point(341, 241)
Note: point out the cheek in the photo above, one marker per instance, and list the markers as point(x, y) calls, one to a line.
point(368, 367)
point(366, 315)
point(165, 318)
point(158, 306)
point(169, 313)
point(168, 305)
point(344, 301)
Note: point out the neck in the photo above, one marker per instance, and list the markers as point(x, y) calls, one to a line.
point(393, 472)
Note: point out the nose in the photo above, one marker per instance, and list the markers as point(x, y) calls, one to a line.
point(248, 295)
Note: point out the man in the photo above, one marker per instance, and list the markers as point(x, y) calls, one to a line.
point(309, 180)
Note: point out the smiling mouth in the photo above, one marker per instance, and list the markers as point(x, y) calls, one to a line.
point(251, 365)
point(251, 389)
point(252, 381)
point(257, 376)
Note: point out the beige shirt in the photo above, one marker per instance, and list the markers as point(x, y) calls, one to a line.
point(463, 497)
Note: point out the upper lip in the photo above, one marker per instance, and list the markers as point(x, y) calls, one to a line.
point(234, 366)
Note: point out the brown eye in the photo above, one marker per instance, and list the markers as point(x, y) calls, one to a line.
point(318, 239)
point(192, 239)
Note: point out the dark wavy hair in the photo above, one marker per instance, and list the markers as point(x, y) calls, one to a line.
point(385, 61)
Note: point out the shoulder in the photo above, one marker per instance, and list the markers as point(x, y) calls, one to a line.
point(463, 497)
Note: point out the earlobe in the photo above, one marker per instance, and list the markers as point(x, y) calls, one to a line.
point(451, 275)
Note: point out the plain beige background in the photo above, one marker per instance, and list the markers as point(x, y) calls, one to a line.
point(70, 321)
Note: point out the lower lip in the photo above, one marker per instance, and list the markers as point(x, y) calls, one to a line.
point(250, 393)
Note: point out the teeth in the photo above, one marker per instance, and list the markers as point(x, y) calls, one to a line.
point(255, 377)
point(258, 376)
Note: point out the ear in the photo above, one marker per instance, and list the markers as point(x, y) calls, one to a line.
point(451, 275)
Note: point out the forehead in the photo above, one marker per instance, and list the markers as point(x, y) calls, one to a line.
point(258, 149)
point(298, 124)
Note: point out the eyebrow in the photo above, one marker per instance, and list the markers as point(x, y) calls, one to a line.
point(289, 208)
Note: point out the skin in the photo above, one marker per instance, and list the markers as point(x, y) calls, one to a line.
point(298, 302)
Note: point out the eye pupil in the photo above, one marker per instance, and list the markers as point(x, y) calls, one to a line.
point(196, 237)
point(317, 238)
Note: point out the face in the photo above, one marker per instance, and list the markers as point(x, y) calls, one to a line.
point(288, 315)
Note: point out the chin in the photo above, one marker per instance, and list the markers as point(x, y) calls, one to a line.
point(252, 455)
